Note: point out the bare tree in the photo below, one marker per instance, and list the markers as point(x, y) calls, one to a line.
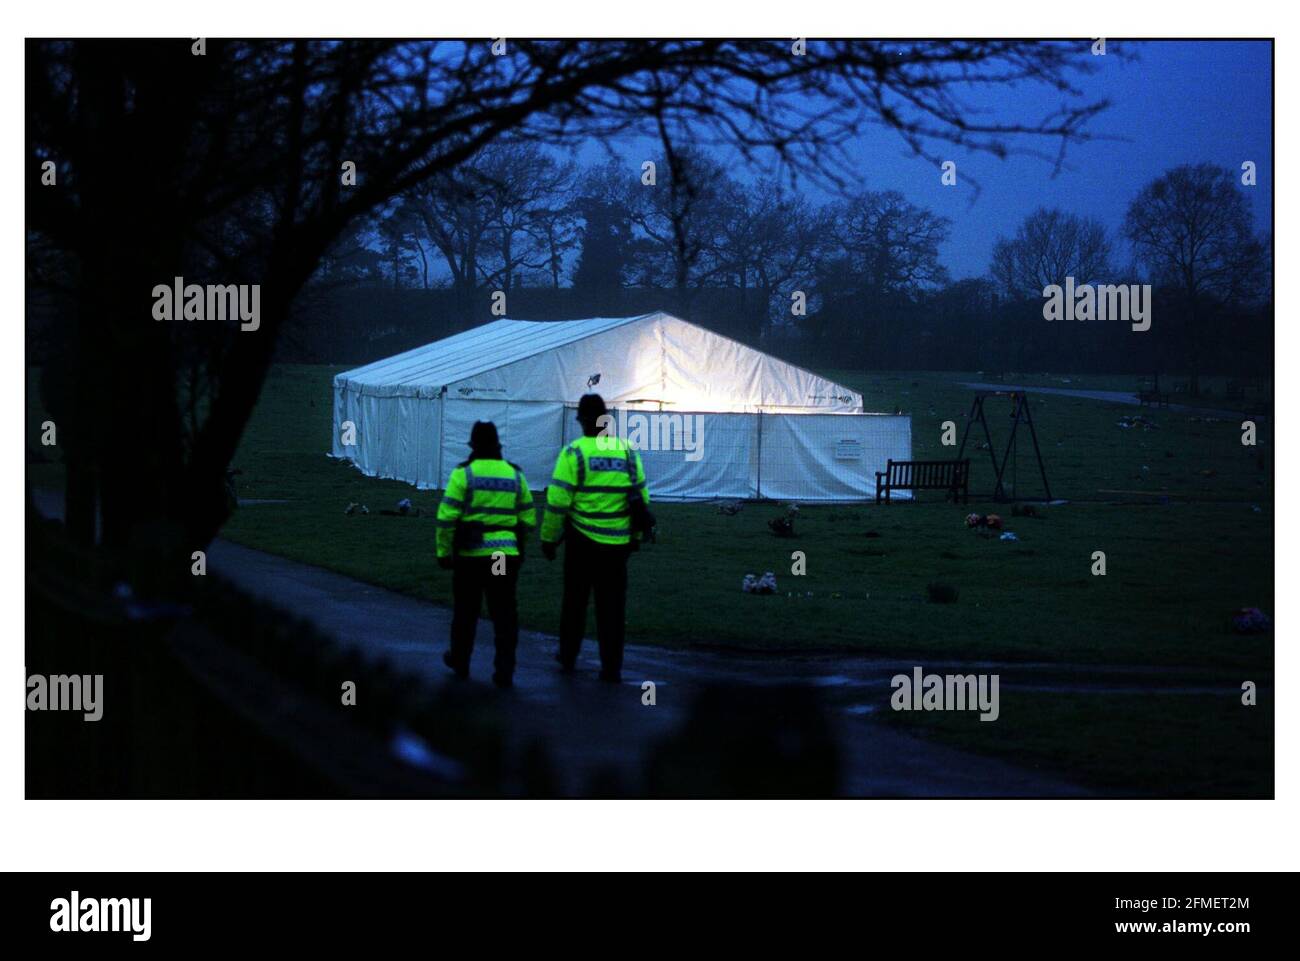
point(1050, 245)
point(553, 225)
point(678, 221)
point(1194, 231)
point(520, 181)
point(889, 256)
point(893, 245)
point(453, 211)
point(227, 167)
point(554, 230)
point(770, 243)
point(399, 229)
point(496, 215)
point(605, 237)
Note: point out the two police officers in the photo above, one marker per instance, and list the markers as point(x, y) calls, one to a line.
point(596, 504)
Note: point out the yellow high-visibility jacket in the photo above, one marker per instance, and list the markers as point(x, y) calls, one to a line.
point(488, 499)
point(594, 476)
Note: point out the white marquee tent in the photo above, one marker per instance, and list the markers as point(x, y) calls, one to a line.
point(712, 417)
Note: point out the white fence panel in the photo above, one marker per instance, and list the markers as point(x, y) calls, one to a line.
point(828, 457)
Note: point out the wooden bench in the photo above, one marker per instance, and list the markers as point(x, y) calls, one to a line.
point(1149, 392)
point(952, 476)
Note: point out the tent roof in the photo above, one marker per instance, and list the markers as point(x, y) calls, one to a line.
point(653, 358)
point(471, 352)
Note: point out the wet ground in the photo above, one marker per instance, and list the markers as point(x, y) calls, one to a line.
point(593, 728)
point(596, 731)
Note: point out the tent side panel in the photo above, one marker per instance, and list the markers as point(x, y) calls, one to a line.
point(356, 411)
point(532, 439)
point(342, 397)
point(396, 437)
point(458, 416)
point(690, 456)
point(427, 421)
point(529, 432)
point(379, 435)
point(717, 464)
point(830, 457)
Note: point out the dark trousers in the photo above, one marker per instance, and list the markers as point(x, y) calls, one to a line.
point(601, 568)
point(471, 581)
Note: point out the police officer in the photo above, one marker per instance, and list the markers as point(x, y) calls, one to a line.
point(483, 521)
point(598, 503)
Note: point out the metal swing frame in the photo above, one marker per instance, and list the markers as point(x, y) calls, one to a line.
point(1020, 414)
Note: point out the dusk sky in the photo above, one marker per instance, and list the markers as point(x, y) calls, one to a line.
point(1179, 102)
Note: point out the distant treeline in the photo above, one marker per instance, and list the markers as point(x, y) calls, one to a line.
point(965, 325)
point(962, 326)
point(854, 282)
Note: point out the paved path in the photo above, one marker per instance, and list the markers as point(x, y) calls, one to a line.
point(1112, 396)
point(596, 731)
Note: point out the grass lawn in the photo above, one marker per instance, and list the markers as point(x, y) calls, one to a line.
point(1175, 569)
point(1189, 541)
point(1137, 745)
point(1213, 390)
